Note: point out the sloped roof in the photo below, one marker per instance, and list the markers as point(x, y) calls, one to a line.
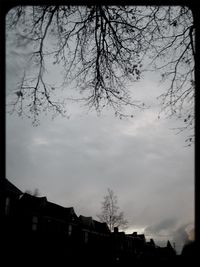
point(169, 245)
point(46, 208)
point(142, 236)
point(101, 227)
point(8, 186)
point(31, 202)
point(86, 221)
point(59, 212)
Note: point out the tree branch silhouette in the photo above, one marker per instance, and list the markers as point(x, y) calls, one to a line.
point(102, 49)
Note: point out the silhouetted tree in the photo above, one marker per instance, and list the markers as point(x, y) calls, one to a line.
point(110, 212)
point(102, 48)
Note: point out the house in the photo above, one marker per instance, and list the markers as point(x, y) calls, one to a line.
point(59, 220)
point(118, 245)
point(37, 214)
point(165, 253)
point(150, 249)
point(30, 213)
point(94, 241)
point(9, 195)
point(38, 228)
point(45, 229)
point(101, 228)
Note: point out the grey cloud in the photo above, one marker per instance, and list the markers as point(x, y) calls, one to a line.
point(74, 161)
point(80, 158)
point(172, 229)
point(181, 236)
point(164, 225)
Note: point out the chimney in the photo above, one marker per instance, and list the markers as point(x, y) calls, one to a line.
point(134, 234)
point(116, 230)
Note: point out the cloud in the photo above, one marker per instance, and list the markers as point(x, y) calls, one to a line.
point(161, 227)
point(172, 229)
point(73, 161)
point(182, 235)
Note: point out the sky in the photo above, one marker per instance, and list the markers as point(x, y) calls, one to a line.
point(73, 161)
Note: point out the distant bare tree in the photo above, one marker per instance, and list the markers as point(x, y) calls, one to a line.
point(110, 213)
point(102, 48)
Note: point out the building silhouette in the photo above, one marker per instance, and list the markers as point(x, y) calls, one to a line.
point(43, 231)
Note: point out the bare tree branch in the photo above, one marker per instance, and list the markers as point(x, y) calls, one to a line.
point(102, 49)
point(110, 214)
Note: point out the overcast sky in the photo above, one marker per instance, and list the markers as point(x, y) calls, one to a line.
point(73, 161)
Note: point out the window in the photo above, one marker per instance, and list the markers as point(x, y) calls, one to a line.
point(7, 206)
point(34, 223)
point(86, 237)
point(69, 230)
